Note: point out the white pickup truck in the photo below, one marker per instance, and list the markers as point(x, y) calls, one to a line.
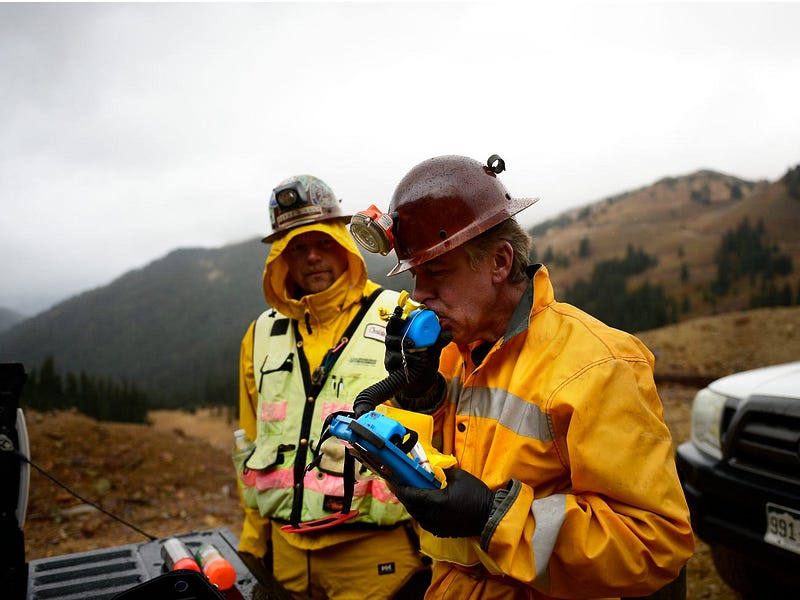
point(741, 475)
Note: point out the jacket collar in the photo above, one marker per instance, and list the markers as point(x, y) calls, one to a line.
point(537, 295)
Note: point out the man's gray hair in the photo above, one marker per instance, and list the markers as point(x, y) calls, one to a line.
point(507, 231)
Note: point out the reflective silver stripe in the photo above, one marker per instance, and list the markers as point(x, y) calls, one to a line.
point(510, 411)
point(549, 514)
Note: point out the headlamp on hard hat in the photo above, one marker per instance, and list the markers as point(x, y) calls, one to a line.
point(301, 200)
point(372, 229)
point(288, 196)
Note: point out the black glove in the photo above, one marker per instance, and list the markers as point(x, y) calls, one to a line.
point(420, 365)
point(461, 509)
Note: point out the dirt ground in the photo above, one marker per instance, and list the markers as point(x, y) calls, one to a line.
point(176, 476)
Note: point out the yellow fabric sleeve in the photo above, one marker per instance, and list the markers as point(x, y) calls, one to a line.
point(255, 530)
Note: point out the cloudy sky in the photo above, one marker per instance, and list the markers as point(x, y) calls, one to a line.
point(129, 130)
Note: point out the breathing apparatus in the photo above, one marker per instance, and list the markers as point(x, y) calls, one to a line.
point(421, 326)
point(398, 453)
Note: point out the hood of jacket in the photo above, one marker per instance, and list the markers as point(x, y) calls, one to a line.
point(348, 289)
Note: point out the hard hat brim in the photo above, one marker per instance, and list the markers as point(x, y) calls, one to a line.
point(514, 206)
point(279, 234)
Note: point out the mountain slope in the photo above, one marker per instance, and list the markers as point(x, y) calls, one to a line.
point(165, 326)
point(9, 318)
point(174, 327)
point(679, 221)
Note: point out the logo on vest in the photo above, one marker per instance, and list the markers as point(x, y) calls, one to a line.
point(375, 332)
point(386, 568)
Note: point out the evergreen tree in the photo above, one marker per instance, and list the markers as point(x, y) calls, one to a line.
point(605, 296)
point(786, 295)
point(583, 248)
point(792, 181)
point(684, 273)
point(101, 399)
point(745, 253)
point(48, 386)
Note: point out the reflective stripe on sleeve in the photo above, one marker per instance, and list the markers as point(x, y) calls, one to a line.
point(512, 412)
point(549, 514)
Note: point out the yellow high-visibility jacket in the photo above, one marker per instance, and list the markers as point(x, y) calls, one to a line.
point(323, 318)
point(564, 415)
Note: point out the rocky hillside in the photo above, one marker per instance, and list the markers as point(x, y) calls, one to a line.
point(680, 222)
point(710, 347)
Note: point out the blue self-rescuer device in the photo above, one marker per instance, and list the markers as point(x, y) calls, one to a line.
point(383, 445)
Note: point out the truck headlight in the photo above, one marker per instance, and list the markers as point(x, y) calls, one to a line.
point(707, 410)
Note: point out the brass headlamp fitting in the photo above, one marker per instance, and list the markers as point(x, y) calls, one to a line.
point(372, 229)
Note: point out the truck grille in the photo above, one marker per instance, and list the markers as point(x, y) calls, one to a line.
point(766, 441)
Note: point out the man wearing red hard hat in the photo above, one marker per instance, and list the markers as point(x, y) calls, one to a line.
point(565, 484)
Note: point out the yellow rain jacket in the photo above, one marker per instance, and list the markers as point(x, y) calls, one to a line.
point(322, 320)
point(563, 415)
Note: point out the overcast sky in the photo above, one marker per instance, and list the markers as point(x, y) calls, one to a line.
point(129, 130)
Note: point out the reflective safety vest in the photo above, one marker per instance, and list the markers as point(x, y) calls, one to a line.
point(292, 406)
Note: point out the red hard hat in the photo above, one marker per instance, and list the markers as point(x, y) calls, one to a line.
point(445, 201)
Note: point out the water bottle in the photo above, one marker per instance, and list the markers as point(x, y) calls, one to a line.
point(215, 567)
point(177, 556)
point(243, 447)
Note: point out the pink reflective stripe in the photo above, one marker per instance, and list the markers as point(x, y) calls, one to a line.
point(333, 486)
point(248, 477)
point(331, 407)
point(275, 478)
point(273, 411)
point(329, 485)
